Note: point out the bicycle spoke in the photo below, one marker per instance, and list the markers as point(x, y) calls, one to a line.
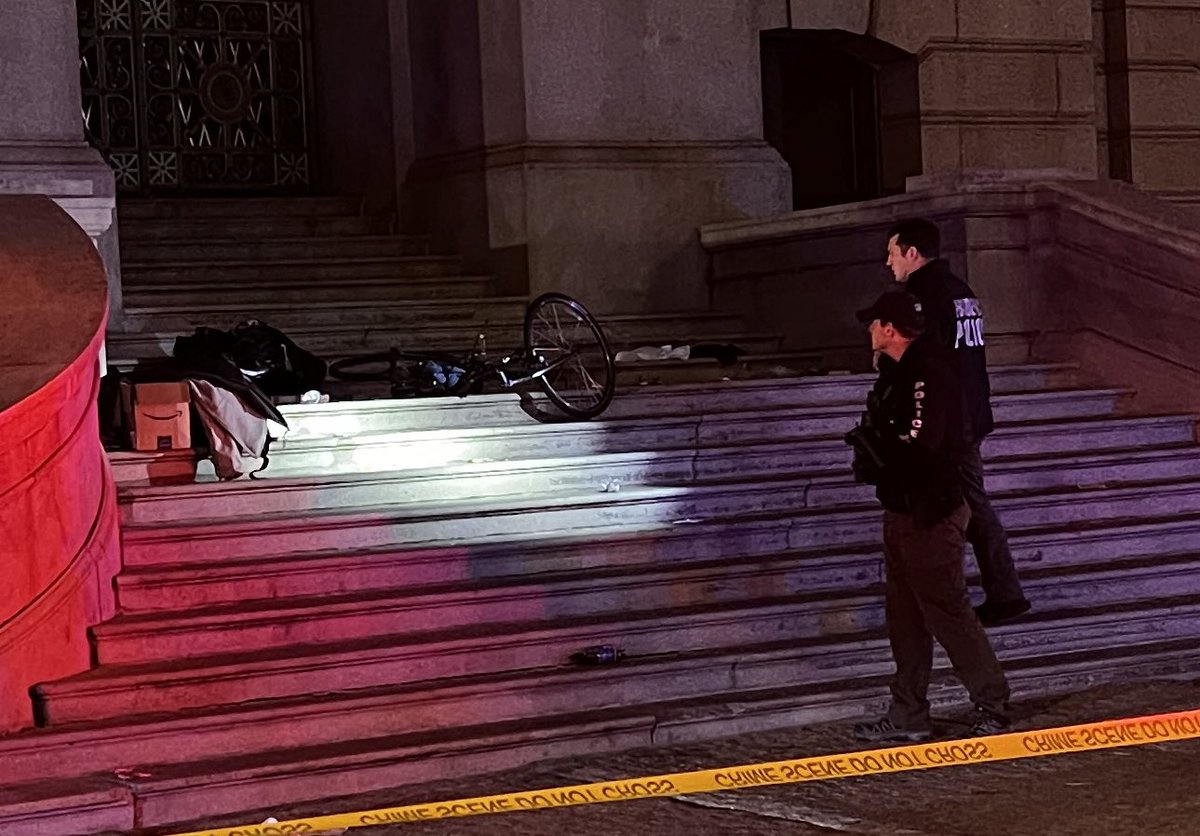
point(588, 381)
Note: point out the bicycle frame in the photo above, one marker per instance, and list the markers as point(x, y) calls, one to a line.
point(541, 371)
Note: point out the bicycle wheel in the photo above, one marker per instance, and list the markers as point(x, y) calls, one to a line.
point(369, 367)
point(559, 332)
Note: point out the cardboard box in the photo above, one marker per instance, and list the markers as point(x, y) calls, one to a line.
point(162, 418)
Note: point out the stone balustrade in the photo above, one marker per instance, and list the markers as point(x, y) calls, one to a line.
point(1096, 272)
point(59, 546)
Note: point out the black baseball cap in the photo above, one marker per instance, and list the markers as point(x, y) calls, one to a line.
point(900, 309)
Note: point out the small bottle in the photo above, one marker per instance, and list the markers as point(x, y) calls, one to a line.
point(598, 654)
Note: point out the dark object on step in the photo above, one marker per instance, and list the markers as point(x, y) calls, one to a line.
point(725, 354)
point(598, 654)
point(265, 355)
point(995, 613)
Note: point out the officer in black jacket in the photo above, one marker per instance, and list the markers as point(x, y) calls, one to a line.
point(909, 446)
point(955, 319)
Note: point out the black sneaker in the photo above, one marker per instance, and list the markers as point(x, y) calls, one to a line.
point(885, 731)
point(985, 723)
point(992, 614)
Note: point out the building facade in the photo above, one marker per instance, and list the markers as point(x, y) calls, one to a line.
point(579, 146)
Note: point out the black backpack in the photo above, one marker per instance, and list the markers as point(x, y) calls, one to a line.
point(265, 356)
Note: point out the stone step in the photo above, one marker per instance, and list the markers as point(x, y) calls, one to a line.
point(265, 276)
point(711, 543)
point(403, 617)
point(1053, 582)
point(139, 235)
point(401, 319)
point(238, 207)
point(395, 415)
point(65, 807)
point(448, 339)
point(285, 776)
point(779, 644)
point(781, 505)
point(354, 418)
point(352, 451)
point(613, 472)
point(250, 297)
point(768, 365)
point(470, 314)
point(261, 246)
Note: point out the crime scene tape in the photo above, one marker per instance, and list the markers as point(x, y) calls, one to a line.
point(1112, 734)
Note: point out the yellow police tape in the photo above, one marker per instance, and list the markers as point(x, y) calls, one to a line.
point(1133, 731)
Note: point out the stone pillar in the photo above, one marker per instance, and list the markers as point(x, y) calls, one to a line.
point(582, 144)
point(42, 146)
point(1004, 83)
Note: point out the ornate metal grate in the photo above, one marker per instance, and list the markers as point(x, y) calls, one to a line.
point(187, 96)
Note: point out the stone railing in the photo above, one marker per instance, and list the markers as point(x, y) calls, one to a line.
point(59, 546)
point(1095, 272)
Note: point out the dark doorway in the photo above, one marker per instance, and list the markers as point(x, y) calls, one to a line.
point(844, 112)
point(191, 97)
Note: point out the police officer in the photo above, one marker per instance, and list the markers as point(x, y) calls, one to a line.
point(910, 447)
point(955, 319)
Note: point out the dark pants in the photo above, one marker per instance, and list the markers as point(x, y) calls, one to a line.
point(986, 535)
point(927, 600)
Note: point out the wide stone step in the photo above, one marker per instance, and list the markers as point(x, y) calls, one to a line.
point(780, 645)
point(409, 325)
point(398, 617)
point(394, 415)
point(472, 524)
point(249, 297)
point(156, 321)
point(285, 776)
point(456, 340)
point(231, 274)
point(353, 452)
point(638, 683)
point(612, 472)
point(238, 207)
point(419, 570)
point(143, 234)
point(65, 807)
point(325, 238)
point(355, 419)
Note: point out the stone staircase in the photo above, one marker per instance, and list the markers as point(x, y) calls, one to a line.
point(340, 282)
point(397, 600)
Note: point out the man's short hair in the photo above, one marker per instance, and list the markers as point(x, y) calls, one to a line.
point(919, 233)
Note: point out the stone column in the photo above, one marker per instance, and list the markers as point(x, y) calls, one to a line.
point(42, 146)
point(582, 144)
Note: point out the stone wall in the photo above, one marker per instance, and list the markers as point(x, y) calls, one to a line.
point(1004, 83)
point(804, 274)
point(579, 146)
point(1095, 272)
point(574, 147)
point(60, 548)
point(1163, 38)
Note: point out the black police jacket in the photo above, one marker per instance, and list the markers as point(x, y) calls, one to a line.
point(954, 316)
point(915, 411)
